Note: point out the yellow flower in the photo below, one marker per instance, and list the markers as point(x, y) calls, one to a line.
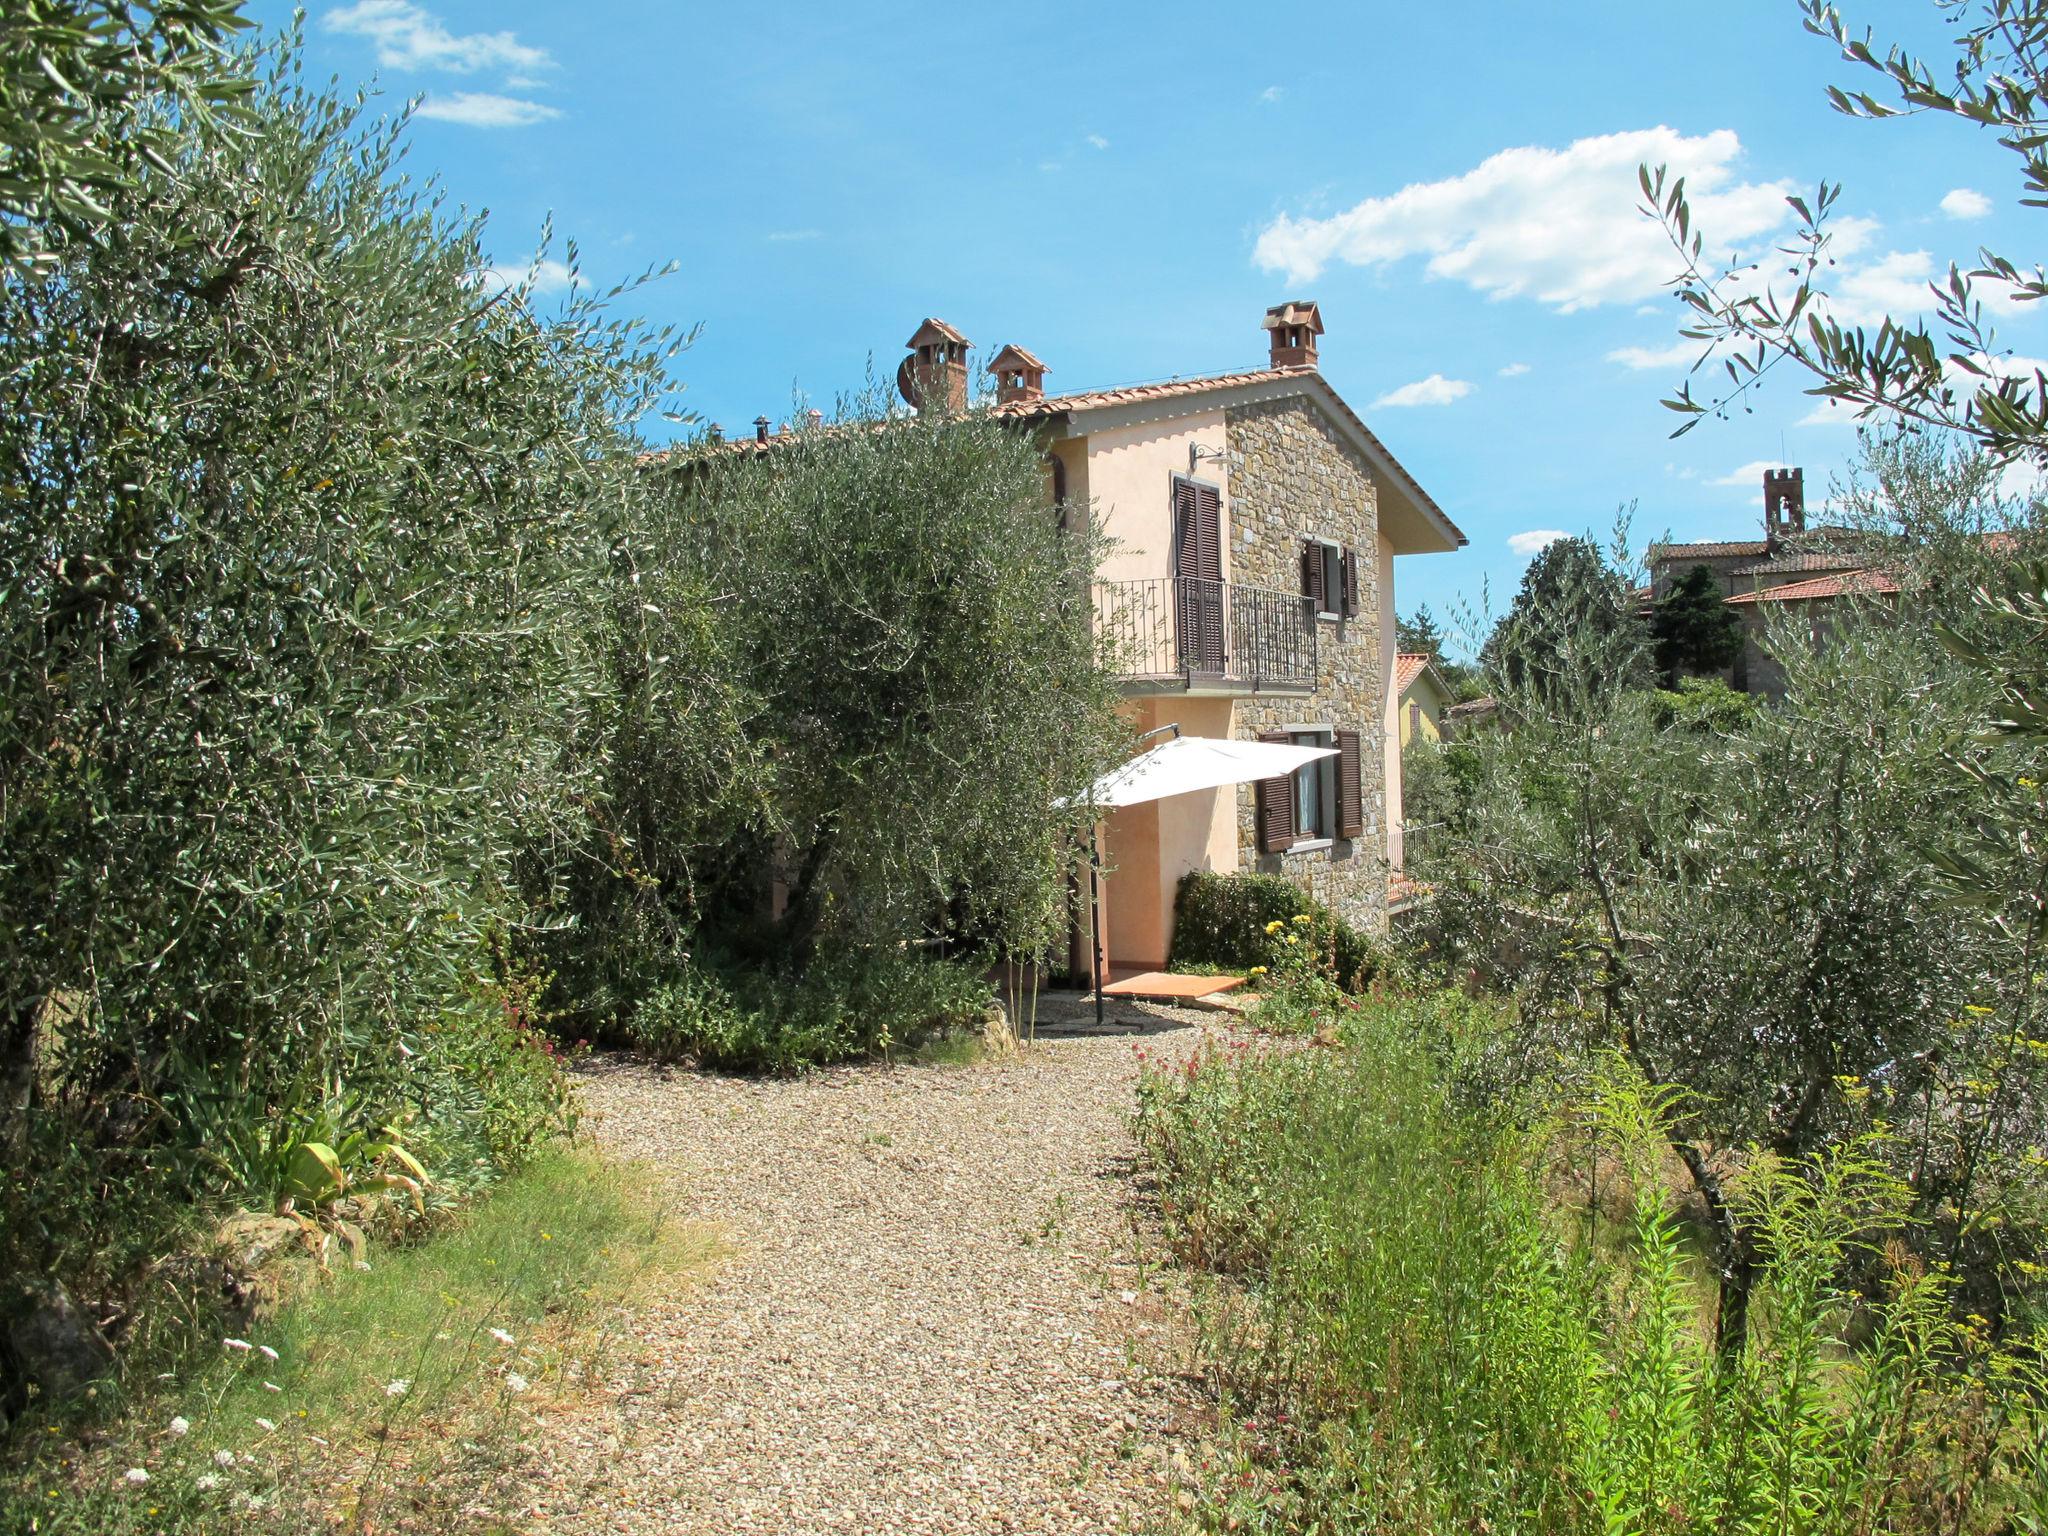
point(1301, 917)
point(1977, 1008)
point(1257, 970)
point(1294, 938)
point(1275, 926)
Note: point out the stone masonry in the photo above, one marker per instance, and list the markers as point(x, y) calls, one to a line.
point(1294, 480)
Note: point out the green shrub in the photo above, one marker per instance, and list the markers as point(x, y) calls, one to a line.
point(1422, 1340)
point(1227, 921)
point(848, 1004)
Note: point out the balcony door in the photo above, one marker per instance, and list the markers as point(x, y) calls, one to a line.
point(1198, 575)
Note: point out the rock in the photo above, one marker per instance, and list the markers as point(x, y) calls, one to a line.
point(252, 1240)
point(997, 1037)
point(53, 1343)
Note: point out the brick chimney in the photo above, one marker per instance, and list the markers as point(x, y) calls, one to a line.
point(1293, 328)
point(1784, 504)
point(1019, 375)
point(934, 376)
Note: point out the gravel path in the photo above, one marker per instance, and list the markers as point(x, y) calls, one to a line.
point(933, 1317)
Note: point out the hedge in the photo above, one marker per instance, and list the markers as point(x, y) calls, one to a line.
point(1220, 920)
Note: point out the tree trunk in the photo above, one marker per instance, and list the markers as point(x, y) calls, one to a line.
point(1738, 1283)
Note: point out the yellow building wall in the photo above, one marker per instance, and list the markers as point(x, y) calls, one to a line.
point(1129, 474)
point(1147, 848)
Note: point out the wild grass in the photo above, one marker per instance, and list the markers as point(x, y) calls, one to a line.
point(391, 1398)
point(1408, 1331)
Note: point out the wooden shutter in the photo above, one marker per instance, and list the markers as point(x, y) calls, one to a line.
point(1275, 800)
point(1198, 569)
point(1312, 575)
point(1350, 609)
point(1350, 785)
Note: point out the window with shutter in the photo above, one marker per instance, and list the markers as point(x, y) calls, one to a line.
point(1274, 800)
point(1198, 573)
point(1312, 574)
point(1350, 785)
point(1350, 609)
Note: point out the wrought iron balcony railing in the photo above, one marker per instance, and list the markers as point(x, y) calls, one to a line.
point(1206, 633)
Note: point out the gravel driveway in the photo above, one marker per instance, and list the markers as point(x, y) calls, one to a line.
point(934, 1316)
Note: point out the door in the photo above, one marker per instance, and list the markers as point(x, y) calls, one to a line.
point(1198, 576)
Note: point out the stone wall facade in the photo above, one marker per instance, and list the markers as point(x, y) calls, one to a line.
point(1292, 479)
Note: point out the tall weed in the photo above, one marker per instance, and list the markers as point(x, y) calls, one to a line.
point(1422, 1337)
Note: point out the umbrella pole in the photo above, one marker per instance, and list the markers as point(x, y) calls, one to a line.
point(1095, 911)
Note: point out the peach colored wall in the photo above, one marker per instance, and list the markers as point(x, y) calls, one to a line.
point(1130, 474)
point(1147, 848)
point(1392, 722)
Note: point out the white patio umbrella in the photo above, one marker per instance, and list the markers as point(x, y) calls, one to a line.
point(1178, 767)
point(1188, 763)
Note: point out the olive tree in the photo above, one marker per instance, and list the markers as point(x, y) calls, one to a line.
point(912, 643)
point(301, 530)
point(1753, 322)
point(1751, 913)
point(72, 73)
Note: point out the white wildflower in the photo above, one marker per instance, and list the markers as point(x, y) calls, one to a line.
point(206, 1482)
point(266, 1351)
point(271, 1386)
point(266, 1426)
point(241, 1346)
point(398, 1388)
point(501, 1336)
point(135, 1476)
point(179, 1426)
point(514, 1382)
point(363, 1265)
point(223, 1458)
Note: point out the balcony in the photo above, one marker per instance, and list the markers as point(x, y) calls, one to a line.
point(1174, 632)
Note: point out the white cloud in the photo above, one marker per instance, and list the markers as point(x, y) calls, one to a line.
point(2021, 481)
point(408, 37)
point(480, 109)
point(1828, 413)
point(1273, 93)
point(1560, 226)
point(1434, 390)
point(547, 276)
point(1963, 203)
point(1530, 542)
point(1751, 475)
point(1513, 370)
point(1895, 284)
point(1650, 309)
point(1097, 141)
point(2006, 367)
point(1680, 354)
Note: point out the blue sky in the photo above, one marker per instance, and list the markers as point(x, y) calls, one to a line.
point(1123, 188)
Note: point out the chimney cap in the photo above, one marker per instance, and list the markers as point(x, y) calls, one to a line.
point(1013, 357)
point(760, 429)
point(1295, 312)
point(934, 331)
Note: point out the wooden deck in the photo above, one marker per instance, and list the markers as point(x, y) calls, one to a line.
point(1171, 987)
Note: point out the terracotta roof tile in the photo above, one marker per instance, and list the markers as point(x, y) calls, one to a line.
point(1809, 560)
point(1138, 394)
point(1821, 587)
point(1173, 389)
point(1408, 667)
point(1712, 550)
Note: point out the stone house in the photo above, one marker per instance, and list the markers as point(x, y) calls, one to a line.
point(1796, 569)
point(1249, 593)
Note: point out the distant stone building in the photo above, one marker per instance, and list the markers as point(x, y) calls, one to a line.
point(1809, 568)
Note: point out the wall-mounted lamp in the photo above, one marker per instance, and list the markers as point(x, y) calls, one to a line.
point(1197, 452)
